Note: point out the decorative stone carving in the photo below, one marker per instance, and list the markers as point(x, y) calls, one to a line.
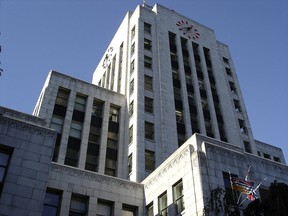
point(70, 171)
point(22, 116)
point(161, 173)
point(250, 159)
point(34, 129)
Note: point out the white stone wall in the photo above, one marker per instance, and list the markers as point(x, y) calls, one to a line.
point(95, 186)
point(162, 21)
point(271, 151)
point(92, 92)
point(200, 163)
point(27, 174)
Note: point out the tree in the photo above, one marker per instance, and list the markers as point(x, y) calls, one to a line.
point(220, 203)
point(274, 204)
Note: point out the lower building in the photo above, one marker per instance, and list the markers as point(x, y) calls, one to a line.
point(26, 148)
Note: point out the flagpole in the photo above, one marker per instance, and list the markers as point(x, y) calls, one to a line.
point(246, 178)
point(240, 195)
point(231, 186)
point(260, 184)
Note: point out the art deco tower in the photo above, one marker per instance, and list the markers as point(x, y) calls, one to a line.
point(178, 80)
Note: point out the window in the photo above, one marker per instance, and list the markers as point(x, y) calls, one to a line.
point(114, 114)
point(179, 116)
point(80, 103)
point(128, 210)
point(148, 62)
point(5, 156)
point(62, 97)
point(149, 130)
point(111, 153)
point(72, 152)
point(76, 129)
point(96, 115)
point(57, 124)
point(57, 121)
point(133, 32)
point(148, 83)
point(163, 208)
point(228, 71)
point(132, 67)
point(73, 146)
point(267, 156)
point(110, 167)
point(149, 209)
point(232, 87)
point(237, 105)
point(177, 94)
point(147, 28)
point(52, 203)
point(78, 205)
point(132, 48)
point(179, 196)
point(131, 134)
point(148, 105)
point(131, 109)
point(130, 163)
point(231, 195)
point(242, 127)
point(277, 159)
point(147, 44)
point(131, 86)
point(149, 160)
point(61, 102)
point(92, 155)
point(226, 60)
point(247, 146)
point(104, 208)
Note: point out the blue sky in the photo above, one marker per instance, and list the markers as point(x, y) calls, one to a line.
point(70, 36)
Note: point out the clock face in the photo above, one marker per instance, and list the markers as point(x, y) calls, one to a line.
point(188, 29)
point(106, 60)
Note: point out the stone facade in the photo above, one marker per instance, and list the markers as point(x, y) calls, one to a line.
point(161, 125)
point(30, 146)
point(193, 79)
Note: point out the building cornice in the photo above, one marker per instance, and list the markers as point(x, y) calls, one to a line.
point(96, 177)
point(26, 126)
point(166, 167)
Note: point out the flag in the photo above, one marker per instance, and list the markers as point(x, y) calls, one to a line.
point(241, 185)
point(252, 196)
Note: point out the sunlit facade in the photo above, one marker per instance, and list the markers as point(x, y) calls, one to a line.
point(159, 127)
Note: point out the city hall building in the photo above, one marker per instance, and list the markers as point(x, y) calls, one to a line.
point(159, 127)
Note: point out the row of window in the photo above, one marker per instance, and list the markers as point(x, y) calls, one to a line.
point(216, 102)
point(190, 89)
point(181, 130)
point(148, 101)
point(108, 77)
point(178, 199)
point(75, 133)
point(79, 205)
point(237, 106)
point(268, 156)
